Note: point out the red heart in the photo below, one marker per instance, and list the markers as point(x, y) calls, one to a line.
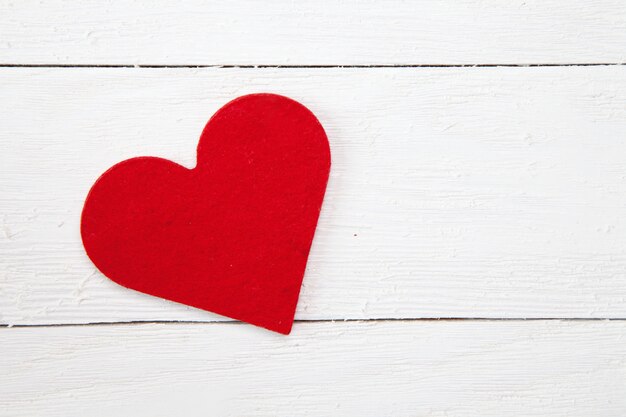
point(231, 235)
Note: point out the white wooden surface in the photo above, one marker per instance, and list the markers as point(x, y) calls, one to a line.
point(490, 192)
point(488, 369)
point(315, 32)
point(456, 192)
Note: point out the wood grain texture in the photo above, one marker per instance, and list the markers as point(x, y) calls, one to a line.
point(346, 32)
point(465, 368)
point(454, 192)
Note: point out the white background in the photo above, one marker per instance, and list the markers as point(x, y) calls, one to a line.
point(470, 258)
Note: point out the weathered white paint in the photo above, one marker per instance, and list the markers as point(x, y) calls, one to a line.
point(318, 32)
point(472, 192)
point(467, 368)
point(454, 192)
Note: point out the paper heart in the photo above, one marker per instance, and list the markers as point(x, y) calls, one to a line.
point(231, 235)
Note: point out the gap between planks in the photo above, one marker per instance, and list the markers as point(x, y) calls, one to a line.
point(235, 322)
point(550, 65)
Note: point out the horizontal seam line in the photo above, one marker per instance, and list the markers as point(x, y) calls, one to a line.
point(482, 319)
point(7, 65)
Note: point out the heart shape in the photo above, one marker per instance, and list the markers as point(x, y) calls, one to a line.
point(231, 235)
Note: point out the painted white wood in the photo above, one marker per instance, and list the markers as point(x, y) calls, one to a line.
point(454, 192)
point(467, 368)
point(317, 32)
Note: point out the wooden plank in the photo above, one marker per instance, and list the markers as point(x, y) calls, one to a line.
point(346, 32)
point(484, 192)
point(458, 368)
